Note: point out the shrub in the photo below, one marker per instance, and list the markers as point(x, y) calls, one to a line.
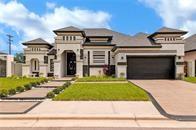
point(56, 91)
point(33, 84)
point(38, 83)
point(50, 95)
point(45, 80)
point(42, 81)
point(20, 89)
point(122, 74)
point(68, 83)
point(65, 85)
point(61, 88)
point(12, 91)
point(3, 93)
point(27, 86)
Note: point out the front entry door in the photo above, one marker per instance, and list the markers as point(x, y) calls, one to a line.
point(71, 64)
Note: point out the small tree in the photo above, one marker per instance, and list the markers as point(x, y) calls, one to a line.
point(19, 58)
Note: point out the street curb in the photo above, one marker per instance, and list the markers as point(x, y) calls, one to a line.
point(77, 117)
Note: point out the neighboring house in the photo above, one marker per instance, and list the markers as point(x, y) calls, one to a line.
point(84, 52)
point(5, 64)
point(190, 55)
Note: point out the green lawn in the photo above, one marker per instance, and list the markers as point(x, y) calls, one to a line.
point(8, 83)
point(190, 79)
point(99, 79)
point(102, 92)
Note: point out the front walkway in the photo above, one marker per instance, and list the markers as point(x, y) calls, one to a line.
point(176, 98)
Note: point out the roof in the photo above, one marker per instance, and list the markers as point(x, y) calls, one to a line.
point(140, 40)
point(52, 52)
point(68, 29)
point(166, 30)
point(190, 43)
point(38, 41)
point(3, 53)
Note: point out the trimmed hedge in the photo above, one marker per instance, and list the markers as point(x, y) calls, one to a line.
point(20, 89)
point(3, 93)
point(12, 91)
point(27, 86)
point(58, 90)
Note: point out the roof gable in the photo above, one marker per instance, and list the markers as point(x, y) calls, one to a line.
point(38, 41)
point(190, 43)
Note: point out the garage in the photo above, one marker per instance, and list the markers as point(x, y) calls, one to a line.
point(150, 67)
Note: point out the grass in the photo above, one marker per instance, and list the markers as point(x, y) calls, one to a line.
point(102, 92)
point(99, 79)
point(190, 79)
point(10, 82)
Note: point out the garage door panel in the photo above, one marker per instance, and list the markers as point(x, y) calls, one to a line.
point(150, 67)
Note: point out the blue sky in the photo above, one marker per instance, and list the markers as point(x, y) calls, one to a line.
point(28, 19)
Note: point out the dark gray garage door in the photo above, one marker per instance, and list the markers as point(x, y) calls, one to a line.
point(150, 67)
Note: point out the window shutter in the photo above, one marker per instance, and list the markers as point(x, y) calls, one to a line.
point(81, 53)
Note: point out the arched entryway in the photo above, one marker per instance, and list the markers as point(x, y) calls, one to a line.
point(35, 67)
point(68, 63)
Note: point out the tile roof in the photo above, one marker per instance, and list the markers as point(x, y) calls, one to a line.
point(68, 29)
point(190, 43)
point(38, 41)
point(167, 30)
point(3, 53)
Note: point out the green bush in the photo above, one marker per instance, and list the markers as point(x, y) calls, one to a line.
point(3, 93)
point(38, 83)
point(65, 85)
point(56, 91)
point(27, 86)
point(50, 95)
point(12, 91)
point(45, 80)
point(68, 83)
point(20, 89)
point(33, 84)
point(42, 81)
point(61, 88)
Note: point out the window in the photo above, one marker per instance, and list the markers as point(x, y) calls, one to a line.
point(51, 65)
point(67, 38)
point(24, 59)
point(98, 56)
point(45, 59)
point(74, 38)
point(70, 38)
point(81, 53)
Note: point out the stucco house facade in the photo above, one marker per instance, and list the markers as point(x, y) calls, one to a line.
point(90, 51)
point(190, 56)
point(6, 64)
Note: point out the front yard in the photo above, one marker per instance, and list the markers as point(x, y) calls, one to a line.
point(190, 79)
point(13, 82)
point(99, 79)
point(102, 92)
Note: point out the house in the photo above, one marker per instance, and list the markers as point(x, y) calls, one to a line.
point(86, 52)
point(190, 55)
point(5, 64)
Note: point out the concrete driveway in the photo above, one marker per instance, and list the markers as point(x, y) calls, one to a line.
point(175, 97)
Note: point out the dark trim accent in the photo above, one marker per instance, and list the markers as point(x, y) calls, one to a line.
point(97, 44)
point(121, 63)
point(135, 47)
point(147, 51)
point(27, 110)
point(109, 58)
point(38, 44)
point(88, 63)
point(163, 112)
point(180, 63)
point(190, 50)
point(154, 34)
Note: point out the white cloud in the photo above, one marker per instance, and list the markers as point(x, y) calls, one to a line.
point(175, 13)
point(31, 25)
point(50, 5)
